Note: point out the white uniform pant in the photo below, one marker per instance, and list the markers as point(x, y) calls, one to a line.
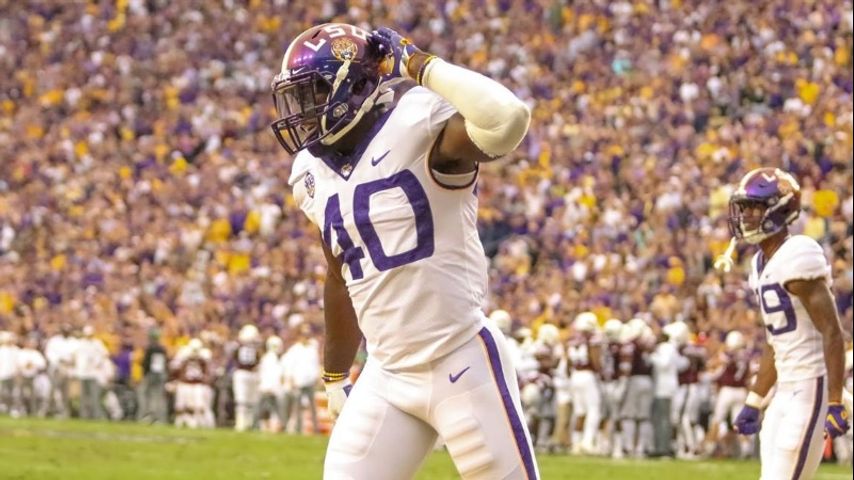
point(613, 393)
point(728, 404)
point(245, 398)
point(637, 404)
point(686, 416)
point(587, 402)
point(686, 404)
point(792, 435)
point(470, 397)
point(193, 405)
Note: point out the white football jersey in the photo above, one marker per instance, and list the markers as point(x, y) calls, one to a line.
point(411, 255)
point(797, 344)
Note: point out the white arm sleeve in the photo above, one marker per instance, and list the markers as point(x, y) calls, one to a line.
point(496, 120)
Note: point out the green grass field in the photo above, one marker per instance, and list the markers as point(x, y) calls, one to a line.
point(73, 450)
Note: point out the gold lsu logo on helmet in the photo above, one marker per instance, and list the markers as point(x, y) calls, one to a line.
point(344, 49)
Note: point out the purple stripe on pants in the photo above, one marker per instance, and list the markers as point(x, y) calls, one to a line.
point(805, 446)
point(512, 414)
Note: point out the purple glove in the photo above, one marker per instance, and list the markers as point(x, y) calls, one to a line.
point(836, 423)
point(747, 422)
point(397, 49)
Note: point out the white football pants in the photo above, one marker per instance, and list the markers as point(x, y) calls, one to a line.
point(470, 397)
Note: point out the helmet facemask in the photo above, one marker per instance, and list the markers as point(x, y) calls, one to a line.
point(317, 108)
point(753, 229)
point(302, 102)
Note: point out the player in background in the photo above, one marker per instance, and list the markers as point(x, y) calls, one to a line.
point(613, 389)
point(541, 385)
point(59, 351)
point(245, 379)
point(391, 188)
point(31, 363)
point(560, 441)
point(686, 403)
point(504, 322)
point(731, 376)
point(9, 353)
point(193, 395)
point(638, 342)
point(585, 362)
point(805, 351)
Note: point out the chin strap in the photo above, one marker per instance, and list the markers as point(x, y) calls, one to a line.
point(382, 94)
point(724, 261)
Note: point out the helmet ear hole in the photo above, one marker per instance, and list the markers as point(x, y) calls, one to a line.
point(768, 225)
point(359, 86)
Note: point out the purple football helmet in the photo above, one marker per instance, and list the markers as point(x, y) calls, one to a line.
point(773, 192)
point(330, 78)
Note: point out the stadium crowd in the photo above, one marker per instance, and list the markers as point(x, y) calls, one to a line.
point(141, 189)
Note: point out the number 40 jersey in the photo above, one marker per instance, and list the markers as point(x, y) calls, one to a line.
point(797, 344)
point(406, 235)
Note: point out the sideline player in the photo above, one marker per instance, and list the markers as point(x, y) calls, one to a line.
point(391, 189)
point(805, 352)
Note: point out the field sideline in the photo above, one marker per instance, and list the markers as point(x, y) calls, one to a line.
point(75, 450)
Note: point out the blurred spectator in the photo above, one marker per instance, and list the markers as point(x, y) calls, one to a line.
point(304, 360)
point(270, 385)
point(152, 390)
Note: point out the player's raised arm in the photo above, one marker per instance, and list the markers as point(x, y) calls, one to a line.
point(818, 300)
point(491, 121)
point(342, 337)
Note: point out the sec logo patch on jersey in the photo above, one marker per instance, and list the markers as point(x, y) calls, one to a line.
point(309, 184)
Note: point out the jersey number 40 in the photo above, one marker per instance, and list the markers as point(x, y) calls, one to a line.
point(352, 254)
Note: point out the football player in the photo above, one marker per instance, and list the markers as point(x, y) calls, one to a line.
point(585, 358)
point(805, 352)
point(686, 403)
point(637, 343)
point(192, 392)
point(9, 353)
point(540, 385)
point(731, 377)
point(246, 358)
point(613, 388)
point(391, 188)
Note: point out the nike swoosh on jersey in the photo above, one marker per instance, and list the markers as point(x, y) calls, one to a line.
point(376, 161)
point(453, 378)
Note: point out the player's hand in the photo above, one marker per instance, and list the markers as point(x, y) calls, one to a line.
point(836, 423)
point(747, 422)
point(336, 395)
point(397, 51)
